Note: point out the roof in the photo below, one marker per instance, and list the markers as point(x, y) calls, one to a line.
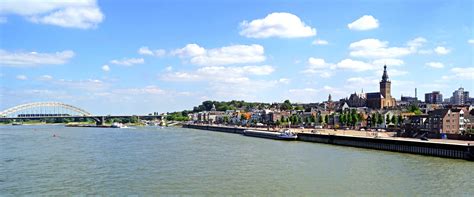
point(374, 95)
point(438, 112)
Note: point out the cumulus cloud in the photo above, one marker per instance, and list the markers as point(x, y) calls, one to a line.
point(390, 62)
point(21, 77)
point(284, 80)
point(470, 41)
point(219, 73)
point(46, 78)
point(83, 14)
point(277, 24)
point(435, 64)
point(355, 65)
point(441, 50)
point(319, 66)
point(146, 51)
point(26, 59)
point(374, 48)
point(463, 73)
point(128, 61)
point(366, 22)
point(233, 54)
point(320, 42)
point(106, 68)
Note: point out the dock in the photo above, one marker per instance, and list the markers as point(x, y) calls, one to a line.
point(446, 148)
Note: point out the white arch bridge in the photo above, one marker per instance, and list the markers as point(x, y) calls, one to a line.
point(43, 110)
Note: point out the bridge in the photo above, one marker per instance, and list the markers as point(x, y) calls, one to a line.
point(57, 110)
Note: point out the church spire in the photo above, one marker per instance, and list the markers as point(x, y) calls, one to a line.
point(385, 75)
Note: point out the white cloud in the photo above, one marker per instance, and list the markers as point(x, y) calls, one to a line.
point(190, 50)
point(25, 59)
point(128, 61)
point(106, 68)
point(21, 77)
point(234, 54)
point(416, 43)
point(46, 78)
point(169, 68)
point(146, 51)
point(389, 62)
point(134, 91)
point(284, 80)
point(366, 22)
point(470, 41)
point(435, 64)
point(374, 48)
point(277, 24)
point(354, 65)
point(83, 14)
point(441, 50)
point(320, 42)
point(319, 66)
point(466, 73)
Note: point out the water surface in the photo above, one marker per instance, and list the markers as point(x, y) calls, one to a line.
point(177, 161)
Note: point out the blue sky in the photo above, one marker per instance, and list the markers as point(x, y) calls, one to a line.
point(135, 57)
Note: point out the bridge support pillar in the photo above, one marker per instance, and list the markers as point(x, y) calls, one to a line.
point(100, 121)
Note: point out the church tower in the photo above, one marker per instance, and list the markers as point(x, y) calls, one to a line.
point(385, 84)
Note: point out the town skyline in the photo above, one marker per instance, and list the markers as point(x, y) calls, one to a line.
point(168, 57)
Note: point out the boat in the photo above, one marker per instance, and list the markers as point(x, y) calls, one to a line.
point(118, 125)
point(17, 123)
point(284, 135)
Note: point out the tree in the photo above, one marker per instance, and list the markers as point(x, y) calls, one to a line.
point(375, 119)
point(380, 119)
point(388, 119)
point(326, 119)
point(320, 119)
point(400, 119)
point(299, 108)
point(394, 120)
point(286, 105)
point(313, 118)
point(342, 119)
point(278, 122)
point(415, 109)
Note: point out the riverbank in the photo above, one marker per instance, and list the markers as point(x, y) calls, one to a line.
point(380, 141)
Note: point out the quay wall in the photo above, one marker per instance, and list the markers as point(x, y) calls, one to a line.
point(456, 151)
point(235, 130)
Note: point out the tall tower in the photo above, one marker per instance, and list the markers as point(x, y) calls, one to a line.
point(385, 84)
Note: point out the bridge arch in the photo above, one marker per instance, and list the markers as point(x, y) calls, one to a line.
point(41, 109)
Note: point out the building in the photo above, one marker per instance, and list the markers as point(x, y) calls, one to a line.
point(382, 99)
point(460, 97)
point(434, 97)
point(449, 121)
point(357, 100)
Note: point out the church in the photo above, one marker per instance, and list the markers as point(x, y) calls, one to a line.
point(382, 99)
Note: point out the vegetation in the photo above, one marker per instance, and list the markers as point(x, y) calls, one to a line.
point(178, 116)
point(415, 109)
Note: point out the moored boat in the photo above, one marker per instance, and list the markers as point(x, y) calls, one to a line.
point(284, 135)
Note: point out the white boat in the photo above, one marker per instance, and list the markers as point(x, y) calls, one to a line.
point(284, 135)
point(118, 125)
point(287, 134)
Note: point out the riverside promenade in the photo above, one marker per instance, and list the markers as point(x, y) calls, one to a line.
point(372, 140)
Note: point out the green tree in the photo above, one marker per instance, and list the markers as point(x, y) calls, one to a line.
point(326, 119)
point(342, 119)
point(299, 108)
point(388, 119)
point(313, 119)
point(286, 105)
point(320, 119)
point(380, 119)
point(394, 120)
point(375, 119)
point(415, 109)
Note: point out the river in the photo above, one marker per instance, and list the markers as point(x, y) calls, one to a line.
point(147, 161)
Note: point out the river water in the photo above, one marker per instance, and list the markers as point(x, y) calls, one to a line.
point(148, 161)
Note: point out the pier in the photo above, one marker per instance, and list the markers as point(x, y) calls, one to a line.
point(403, 145)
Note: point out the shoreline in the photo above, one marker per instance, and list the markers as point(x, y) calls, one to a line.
point(454, 149)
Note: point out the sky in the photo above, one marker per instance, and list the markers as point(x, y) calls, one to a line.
point(143, 56)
